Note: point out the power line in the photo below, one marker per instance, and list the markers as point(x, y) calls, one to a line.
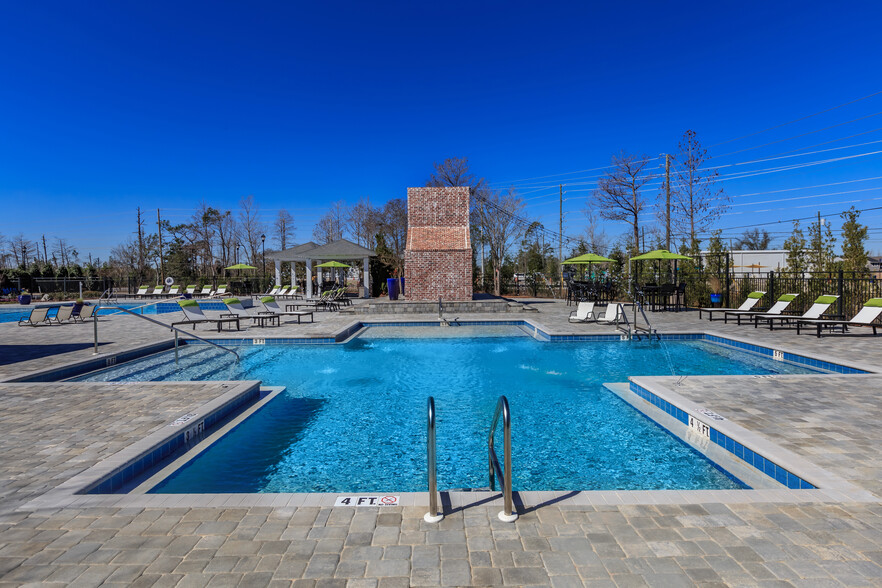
point(778, 126)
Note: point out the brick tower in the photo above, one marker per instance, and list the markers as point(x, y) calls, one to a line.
point(438, 255)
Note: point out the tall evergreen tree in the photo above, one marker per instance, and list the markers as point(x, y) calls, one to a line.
point(795, 246)
point(854, 242)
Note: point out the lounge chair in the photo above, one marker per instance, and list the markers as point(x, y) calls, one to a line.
point(779, 307)
point(142, 291)
point(234, 305)
point(614, 314)
point(173, 291)
point(191, 289)
point(819, 307)
point(272, 307)
point(63, 315)
point(86, 312)
point(584, 313)
point(748, 303)
point(206, 291)
point(282, 293)
point(221, 290)
point(864, 318)
point(194, 315)
point(39, 316)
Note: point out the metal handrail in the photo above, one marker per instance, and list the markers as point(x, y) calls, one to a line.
point(162, 324)
point(507, 514)
point(434, 515)
point(153, 303)
point(648, 328)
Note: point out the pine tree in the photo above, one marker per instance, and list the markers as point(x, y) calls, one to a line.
point(821, 243)
point(795, 246)
point(854, 240)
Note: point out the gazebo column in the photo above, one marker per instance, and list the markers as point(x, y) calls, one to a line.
point(293, 273)
point(321, 274)
point(278, 272)
point(367, 278)
point(309, 278)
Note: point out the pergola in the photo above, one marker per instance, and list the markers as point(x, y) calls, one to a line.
point(309, 253)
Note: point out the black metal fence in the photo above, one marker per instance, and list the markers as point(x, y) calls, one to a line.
point(852, 288)
point(67, 285)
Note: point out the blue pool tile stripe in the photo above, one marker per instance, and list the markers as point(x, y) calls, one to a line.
point(752, 458)
point(118, 479)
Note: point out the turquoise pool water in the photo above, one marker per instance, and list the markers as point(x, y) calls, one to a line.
point(353, 418)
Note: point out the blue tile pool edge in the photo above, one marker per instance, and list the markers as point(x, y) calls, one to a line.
point(747, 455)
point(137, 459)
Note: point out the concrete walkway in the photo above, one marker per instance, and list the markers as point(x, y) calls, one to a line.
point(52, 432)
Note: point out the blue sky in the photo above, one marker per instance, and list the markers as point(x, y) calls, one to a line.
point(108, 106)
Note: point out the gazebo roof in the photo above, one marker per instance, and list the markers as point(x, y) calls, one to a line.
point(293, 253)
point(339, 250)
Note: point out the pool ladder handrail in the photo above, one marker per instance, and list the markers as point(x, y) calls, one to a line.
point(507, 514)
point(648, 330)
point(176, 330)
point(434, 515)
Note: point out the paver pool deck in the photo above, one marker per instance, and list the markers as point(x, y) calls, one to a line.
point(53, 432)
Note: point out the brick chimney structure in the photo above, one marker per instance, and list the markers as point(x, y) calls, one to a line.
point(438, 255)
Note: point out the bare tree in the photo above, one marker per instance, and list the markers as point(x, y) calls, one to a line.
point(391, 224)
point(618, 195)
point(361, 221)
point(66, 254)
point(251, 227)
point(499, 217)
point(753, 240)
point(694, 197)
point(283, 229)
point(596, 238)
point(453, 171)
point(331, 225)
point(22, 249)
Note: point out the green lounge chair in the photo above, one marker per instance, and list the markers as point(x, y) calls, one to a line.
point(779, 307)
point(270, 306)
point(748, 303)
point(866, 317)
point(819, 307)
point(235, 308)
point(194, 315)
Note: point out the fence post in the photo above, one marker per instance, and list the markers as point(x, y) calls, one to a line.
point(727, 305)
point(771, 286)
point(839, 312)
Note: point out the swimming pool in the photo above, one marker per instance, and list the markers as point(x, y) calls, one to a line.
point(12, 315)
point(353, 416)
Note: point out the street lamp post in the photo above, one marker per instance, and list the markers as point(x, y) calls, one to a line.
point(24, 256)
point(237, 252)
point(263, 259)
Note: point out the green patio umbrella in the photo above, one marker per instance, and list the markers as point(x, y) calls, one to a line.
point(587, 259)
point(659, 254)
point(240, 266)
point(331, 264)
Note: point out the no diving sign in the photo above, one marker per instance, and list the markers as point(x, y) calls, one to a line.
point(385, 500)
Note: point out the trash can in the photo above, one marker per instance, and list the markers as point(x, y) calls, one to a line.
point(392, 288)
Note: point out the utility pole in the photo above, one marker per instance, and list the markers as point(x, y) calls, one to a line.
point(45, 255)
point(560, 244)
point(161, 261)
point(667, 202)
point(140, 245)
point(818, 262)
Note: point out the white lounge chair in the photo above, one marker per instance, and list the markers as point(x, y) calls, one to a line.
point(778, 308)
point(194, 315)
point(614, 314)
point(584, 313)
point(64, 314)
point(819, 307)
point(191, 289)
point(748, 303)
point(142, 291)
point(221, 290)
point(206, 291)
point(866, 317)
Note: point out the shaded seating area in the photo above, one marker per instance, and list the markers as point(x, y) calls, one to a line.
point(663, 297)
